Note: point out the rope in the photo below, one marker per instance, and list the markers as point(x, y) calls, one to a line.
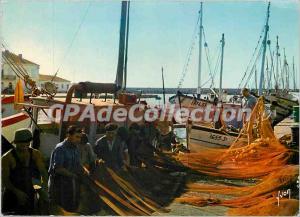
point(212, 76)
point(272, 65)
point(73, 39)
point(189, 54)
point(252, 57)
point(14, 67)
point(281, 69)
point(218, 62)
point(17, 65)
point(253, 68)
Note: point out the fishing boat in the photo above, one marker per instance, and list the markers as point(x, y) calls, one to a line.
point(282, 100)
point(12, 118)
point(202, 135)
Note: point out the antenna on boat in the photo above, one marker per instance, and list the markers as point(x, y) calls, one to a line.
point(264, 52)
point(200, 51)
point(221, 68)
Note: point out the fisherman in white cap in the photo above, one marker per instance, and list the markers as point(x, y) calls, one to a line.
point(17, 173)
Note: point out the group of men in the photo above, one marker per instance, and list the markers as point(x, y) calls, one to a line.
point(61, 185)
point(71, 159)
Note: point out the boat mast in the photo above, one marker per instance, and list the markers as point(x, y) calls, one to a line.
point(286, 71)
point(126, 47)
point(200, 51)
point(255, 75)
point(221, 68)
point(277, 58)
point(163, 85)
point(264, 52)
point(294, 74)
point(267, 75)
point(282, 77)
point(122, 46)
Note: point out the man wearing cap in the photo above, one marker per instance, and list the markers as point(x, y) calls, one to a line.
point(111, 148)
point(64, 170)
point(17, 173)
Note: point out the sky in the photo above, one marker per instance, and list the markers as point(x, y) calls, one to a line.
point(80, 38)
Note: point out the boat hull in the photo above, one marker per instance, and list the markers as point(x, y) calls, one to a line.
point(200, 138)
point(12, 123)
point(283, 106)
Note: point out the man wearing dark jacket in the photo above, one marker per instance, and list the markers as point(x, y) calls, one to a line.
point(111, 148)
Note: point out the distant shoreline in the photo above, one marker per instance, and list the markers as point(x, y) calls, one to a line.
point(151, 90)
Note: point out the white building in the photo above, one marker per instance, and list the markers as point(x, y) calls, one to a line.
point(8, 76)
point(61, 83)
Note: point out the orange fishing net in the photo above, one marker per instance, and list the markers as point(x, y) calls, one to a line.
point(256, 153)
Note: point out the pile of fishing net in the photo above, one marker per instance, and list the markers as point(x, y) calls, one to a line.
point(256, 153)
point(136, 191)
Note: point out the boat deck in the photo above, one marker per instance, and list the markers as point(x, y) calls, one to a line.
point(85, 101)
point(284, 127)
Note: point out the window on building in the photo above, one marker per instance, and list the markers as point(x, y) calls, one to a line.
point(67, 86)
point(62, 86)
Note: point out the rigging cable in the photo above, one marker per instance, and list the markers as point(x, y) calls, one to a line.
point(216, 67)
point(272, 54)
point(218, 61)
point(251, 59)
point(19, 70)
point(189, 54)
point(272, 72)
point(253, 67)
point(208, 59)
point(73, 38)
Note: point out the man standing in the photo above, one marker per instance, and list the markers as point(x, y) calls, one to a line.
point(64, 188)
point(111, 148)
point(134, 143)
point(17, 173)
point(87, 155)
point(249, 102)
